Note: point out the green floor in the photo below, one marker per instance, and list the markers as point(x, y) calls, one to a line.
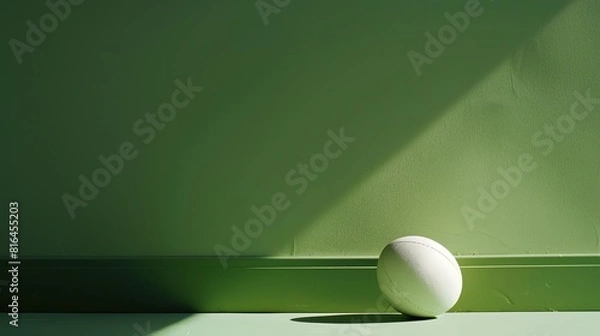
point(459, 324)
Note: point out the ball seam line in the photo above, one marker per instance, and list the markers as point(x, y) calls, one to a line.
point(401, 294)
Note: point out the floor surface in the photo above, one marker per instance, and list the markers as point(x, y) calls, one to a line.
point(459, 324)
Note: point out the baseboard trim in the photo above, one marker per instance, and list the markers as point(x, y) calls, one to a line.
point(293, 285)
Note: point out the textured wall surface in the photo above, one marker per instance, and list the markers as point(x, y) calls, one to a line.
point(481, 138)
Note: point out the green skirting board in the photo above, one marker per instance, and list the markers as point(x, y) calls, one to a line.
point(299, 285)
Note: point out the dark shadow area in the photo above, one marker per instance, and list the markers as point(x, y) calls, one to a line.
point(360, 318)
point(94, 286)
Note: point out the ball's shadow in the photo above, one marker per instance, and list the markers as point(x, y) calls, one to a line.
point(360, 318)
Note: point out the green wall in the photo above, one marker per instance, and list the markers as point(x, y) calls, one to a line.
point(272, 95)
